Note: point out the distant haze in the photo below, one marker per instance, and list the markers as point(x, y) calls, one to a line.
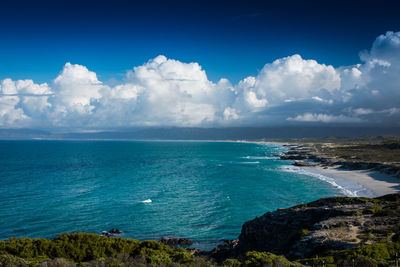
point(184, 133)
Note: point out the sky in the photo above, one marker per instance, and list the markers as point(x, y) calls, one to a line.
point(94, 65)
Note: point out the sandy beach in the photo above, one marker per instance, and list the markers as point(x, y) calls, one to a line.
point(378, 183)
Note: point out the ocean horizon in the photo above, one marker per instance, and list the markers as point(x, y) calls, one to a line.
point(200, 190)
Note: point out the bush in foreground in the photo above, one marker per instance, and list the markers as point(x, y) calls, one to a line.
point(84, 247)
point(91, 250)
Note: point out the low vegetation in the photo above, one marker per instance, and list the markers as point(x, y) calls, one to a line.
point(79, 248)
point(379, 254)
point(83, 249)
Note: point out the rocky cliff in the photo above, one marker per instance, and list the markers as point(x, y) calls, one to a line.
point(315, 228)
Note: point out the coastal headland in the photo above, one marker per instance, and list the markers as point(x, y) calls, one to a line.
point(373, 163)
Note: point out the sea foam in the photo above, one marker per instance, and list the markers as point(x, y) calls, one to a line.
point(257, 157)
point(347, 188)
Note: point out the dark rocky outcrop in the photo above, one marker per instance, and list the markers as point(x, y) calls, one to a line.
point(175, 241)
point(304, 164)
point(306, 230)
point(228, 249)
point(115, 231)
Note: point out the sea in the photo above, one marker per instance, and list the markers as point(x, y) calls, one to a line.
point(200, 190)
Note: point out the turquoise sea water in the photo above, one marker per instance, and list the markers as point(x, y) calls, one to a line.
point(203, 191)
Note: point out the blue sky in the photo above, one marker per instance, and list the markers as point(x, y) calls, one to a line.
point(231, 39)
point(98, 65)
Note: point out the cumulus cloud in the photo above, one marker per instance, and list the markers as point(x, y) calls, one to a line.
point(175, 93)
point(373, 87)
point(23, 101)
point(326, 118)
point(76, 89)
point(292, 78)
point(230, 113)
point(167, 92)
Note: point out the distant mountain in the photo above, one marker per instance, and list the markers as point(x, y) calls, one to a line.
point(23, 134)
point(176, 133)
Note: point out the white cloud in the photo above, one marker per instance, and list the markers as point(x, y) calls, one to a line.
point(76, 90)
point(363, 111)
point(388, 112)
point(293, 78)
point(167, 92)
point(325, 118)
point(170, 92)
point(375, 86)
point(126, 91)
point(230, 113)
point(21, 101)
point(253, 101)
point(392, 111)
point(10, 115)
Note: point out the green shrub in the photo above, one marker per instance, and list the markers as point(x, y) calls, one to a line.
point(58, 262)
point(7, 260)
point(358, 261)
point(377, 251)
point(356, 213)
point(84, 247)
point(155, 256)
point(317, 261)
point(255, 259)
point(372, 210)
point(231, 263)
point(200, 261)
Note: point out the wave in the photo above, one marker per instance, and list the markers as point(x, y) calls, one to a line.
point(237, 162)
point(258, 157)
point(347, 188)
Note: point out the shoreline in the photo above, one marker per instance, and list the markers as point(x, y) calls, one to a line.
point(364, 182)
point(372, 183)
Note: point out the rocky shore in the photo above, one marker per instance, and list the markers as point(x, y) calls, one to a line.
point(176, 241)
point(383, 157)
point(318, 228)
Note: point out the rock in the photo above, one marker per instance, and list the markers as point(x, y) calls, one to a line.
point(195, 251)
point(225, 250)
point(305, 230)
point(175, 241)
point(293, 157)
point(304, 164)
point(115, 231)
point(105, 233)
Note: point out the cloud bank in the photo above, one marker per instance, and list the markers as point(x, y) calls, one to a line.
point(167, 92)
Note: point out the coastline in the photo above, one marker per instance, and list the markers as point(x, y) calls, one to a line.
point(358, 183)
point(363, 182)
point(372, 183)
